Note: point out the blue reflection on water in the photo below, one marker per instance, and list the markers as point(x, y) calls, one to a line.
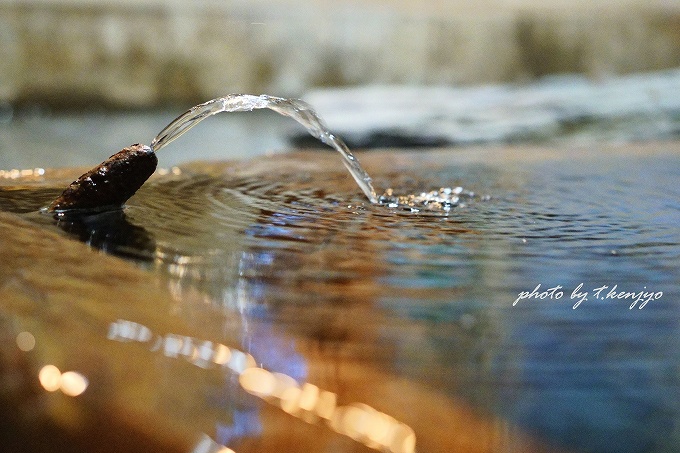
point(600, 378)
point(245, 423)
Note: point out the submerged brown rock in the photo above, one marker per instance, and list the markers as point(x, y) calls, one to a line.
point(111, 183)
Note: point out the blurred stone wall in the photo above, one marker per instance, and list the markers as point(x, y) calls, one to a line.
point(144, 53)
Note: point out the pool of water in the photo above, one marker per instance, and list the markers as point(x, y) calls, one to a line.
point(436, 320)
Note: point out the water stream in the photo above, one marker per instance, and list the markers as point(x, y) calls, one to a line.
point(299, 110)
point(441, 200)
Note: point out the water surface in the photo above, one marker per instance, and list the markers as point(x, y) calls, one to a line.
point(414, 313)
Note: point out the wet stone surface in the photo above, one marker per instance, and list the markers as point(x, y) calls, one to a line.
point(110, 184)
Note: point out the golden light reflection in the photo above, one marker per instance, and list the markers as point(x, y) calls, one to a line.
point(201, 353)
point(172, 346)
point(283, 383)
point(289, 400)
point(361, 422)
point(403, 439)
point(358, 421)
point(351, 421)
point(73, 383)
point(326, 404)
point(122, 330)
point(50, 378)
point(379, 426)
point(222, 354)
point(225, 450)
point(25, 341)
point(258, 381)
point(165, 171)
point(309, 397)
point(207, 445)
point(16, 173)
point(241, 361)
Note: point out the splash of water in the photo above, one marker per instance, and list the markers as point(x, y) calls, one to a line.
point(441, 200)
point(296, 109)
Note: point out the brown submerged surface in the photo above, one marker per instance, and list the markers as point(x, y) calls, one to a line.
point(282, 258)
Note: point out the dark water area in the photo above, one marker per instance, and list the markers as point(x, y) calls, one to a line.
point(587, 361)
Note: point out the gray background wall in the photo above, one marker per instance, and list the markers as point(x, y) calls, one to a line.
point(125, 53)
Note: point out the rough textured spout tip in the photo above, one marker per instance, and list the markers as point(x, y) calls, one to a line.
point(110, 184)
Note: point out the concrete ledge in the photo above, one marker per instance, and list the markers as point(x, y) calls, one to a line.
point(138, 54)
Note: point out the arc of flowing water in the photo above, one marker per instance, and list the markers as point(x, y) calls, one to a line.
point(296, 109)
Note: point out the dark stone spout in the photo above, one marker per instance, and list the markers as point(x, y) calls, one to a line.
point(110, 184)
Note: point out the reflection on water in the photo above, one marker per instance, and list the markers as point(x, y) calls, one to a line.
point(388, 326)
point(71, 383)
point(25, 341)
point(16, 173)
point(308, 402)
point(111, 232)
